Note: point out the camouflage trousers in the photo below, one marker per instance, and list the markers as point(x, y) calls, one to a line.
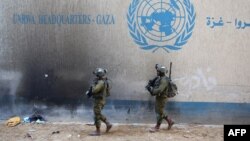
point(98, 116)
point(159, 108)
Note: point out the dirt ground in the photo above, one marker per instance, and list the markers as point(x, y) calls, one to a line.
point(134, 132)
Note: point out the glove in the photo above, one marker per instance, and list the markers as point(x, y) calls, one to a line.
point(89, 92)
point(149, 88)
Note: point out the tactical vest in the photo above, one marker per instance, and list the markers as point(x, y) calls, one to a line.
point(170, 90)
point(104, 92)
point(157, 84)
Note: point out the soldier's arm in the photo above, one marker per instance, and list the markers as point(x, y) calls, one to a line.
point(98, 87)
point(159, 89)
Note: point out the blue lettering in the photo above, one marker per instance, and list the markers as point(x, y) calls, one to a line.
point(23, 19)
point(105, 19)
point(42, 19)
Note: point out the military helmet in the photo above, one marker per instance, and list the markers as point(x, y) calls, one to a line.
point(162, 69)
point(100, 72)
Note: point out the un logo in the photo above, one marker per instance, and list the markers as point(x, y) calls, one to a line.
point(165, 24)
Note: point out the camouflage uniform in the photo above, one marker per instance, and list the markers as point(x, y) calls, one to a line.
point(99, 94)
point(160, 89)
point(100, 90)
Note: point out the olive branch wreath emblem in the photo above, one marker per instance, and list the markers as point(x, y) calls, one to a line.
point(181, 39)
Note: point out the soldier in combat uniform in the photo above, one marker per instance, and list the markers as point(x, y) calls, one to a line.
point(99, 91)
point(158, 87)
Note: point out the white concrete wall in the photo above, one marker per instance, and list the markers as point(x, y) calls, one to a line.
point(212, 67)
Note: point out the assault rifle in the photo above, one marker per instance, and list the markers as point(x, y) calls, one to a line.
point(170, 68)
point(89, 92)
point(151, 83)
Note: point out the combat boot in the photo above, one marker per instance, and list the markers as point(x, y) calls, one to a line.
point(169, 121)
point(155, 129)
point(108, 126)
point(96, 133)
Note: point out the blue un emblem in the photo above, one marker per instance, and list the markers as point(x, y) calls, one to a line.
point(166, 24)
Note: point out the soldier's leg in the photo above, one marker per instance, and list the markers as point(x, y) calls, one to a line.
point(166, 117)
point(98, 115)
point(105, 120)
point(169, 121)
point(159, 110)
point(108, 125)
point(97, 118)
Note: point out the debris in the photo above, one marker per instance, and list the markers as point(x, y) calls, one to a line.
point(27, 136)
point(34, 118)
point(78, 136)
point(55, 132)
point(26, 120)
point(40, 121)
point(14, 121)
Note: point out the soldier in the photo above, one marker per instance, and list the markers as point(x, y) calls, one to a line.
point(160, 89)
point(99, 91)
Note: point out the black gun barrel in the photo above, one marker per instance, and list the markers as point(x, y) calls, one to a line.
point(170, 68)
